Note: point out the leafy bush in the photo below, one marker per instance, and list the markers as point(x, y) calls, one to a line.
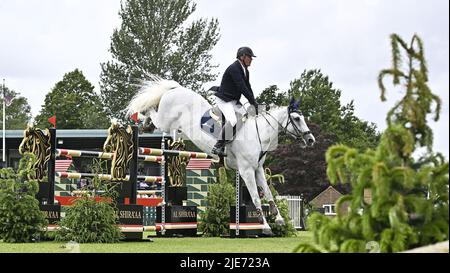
point(216, 219)
point(20, 217)
point(286, 230)
point(91, 221)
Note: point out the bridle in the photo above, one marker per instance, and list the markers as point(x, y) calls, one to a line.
point(298, 134)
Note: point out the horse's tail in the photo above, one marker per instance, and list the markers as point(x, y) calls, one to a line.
point(150, 94)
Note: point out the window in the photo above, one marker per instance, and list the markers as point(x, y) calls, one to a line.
point(329, 209)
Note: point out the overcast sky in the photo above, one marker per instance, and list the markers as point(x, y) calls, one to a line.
point(41, 40)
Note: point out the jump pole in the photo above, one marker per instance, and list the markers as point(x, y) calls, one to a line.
point(237, 201)
point(163, 186)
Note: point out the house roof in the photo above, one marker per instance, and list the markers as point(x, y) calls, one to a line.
point(330, 188)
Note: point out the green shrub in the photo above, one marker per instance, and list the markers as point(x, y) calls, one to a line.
point(216, 219)
point(90, 221)
point(286, 230)
point(20, 217)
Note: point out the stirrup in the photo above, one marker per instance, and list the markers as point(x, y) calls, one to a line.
point(219, 151)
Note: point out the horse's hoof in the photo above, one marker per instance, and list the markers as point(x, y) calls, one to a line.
point(273, 208)
point(280, 222)
point(267, 232)
point(260, 216)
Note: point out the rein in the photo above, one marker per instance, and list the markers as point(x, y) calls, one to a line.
point(297, 135)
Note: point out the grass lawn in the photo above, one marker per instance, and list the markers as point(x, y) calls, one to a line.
point(171, 245)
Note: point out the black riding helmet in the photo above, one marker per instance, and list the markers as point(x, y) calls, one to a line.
point(245, 51)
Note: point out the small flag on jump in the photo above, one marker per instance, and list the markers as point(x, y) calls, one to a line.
point(134, 117)
point(52, 120)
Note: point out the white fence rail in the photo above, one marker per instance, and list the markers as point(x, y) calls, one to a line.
point(295, 210)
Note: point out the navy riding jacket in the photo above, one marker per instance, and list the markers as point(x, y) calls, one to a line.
point(235, 83)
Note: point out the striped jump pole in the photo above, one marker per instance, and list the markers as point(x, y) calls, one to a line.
point(150, 158)
point(160, 152)
point(138, 192)
point(158, 227)
point(79, 153)
point(108, 177)
point(102, 155)
point(149, 191)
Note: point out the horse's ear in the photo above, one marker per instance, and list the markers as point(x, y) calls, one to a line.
point(292, 102)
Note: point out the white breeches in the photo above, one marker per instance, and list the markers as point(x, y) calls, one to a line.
point(229, 110)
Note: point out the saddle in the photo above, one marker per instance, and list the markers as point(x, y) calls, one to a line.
point(212, 120)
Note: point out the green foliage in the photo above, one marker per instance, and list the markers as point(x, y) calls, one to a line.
point(18, 113)
point(271, 96)
point(20, 217)
point(91, 221)
point(320, 101)
point(409, 203)
point(288, 229)
point(74, 103)
point(156, 38)
point(216, 219)
point(412, 109)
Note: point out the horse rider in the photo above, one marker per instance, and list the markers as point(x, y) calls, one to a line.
point(235, 82)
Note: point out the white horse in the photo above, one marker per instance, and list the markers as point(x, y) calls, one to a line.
point(173, 107)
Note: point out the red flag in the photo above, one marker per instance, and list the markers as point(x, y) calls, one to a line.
point(52, 120)
point(134, 117)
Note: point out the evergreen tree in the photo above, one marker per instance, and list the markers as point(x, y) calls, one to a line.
point(409, 195)
point(21, 220)
point(215, 220)
point(156, 39)
point(18, 111)
point(74, 103)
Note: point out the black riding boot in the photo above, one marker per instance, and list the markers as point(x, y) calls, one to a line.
point(219, 148)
